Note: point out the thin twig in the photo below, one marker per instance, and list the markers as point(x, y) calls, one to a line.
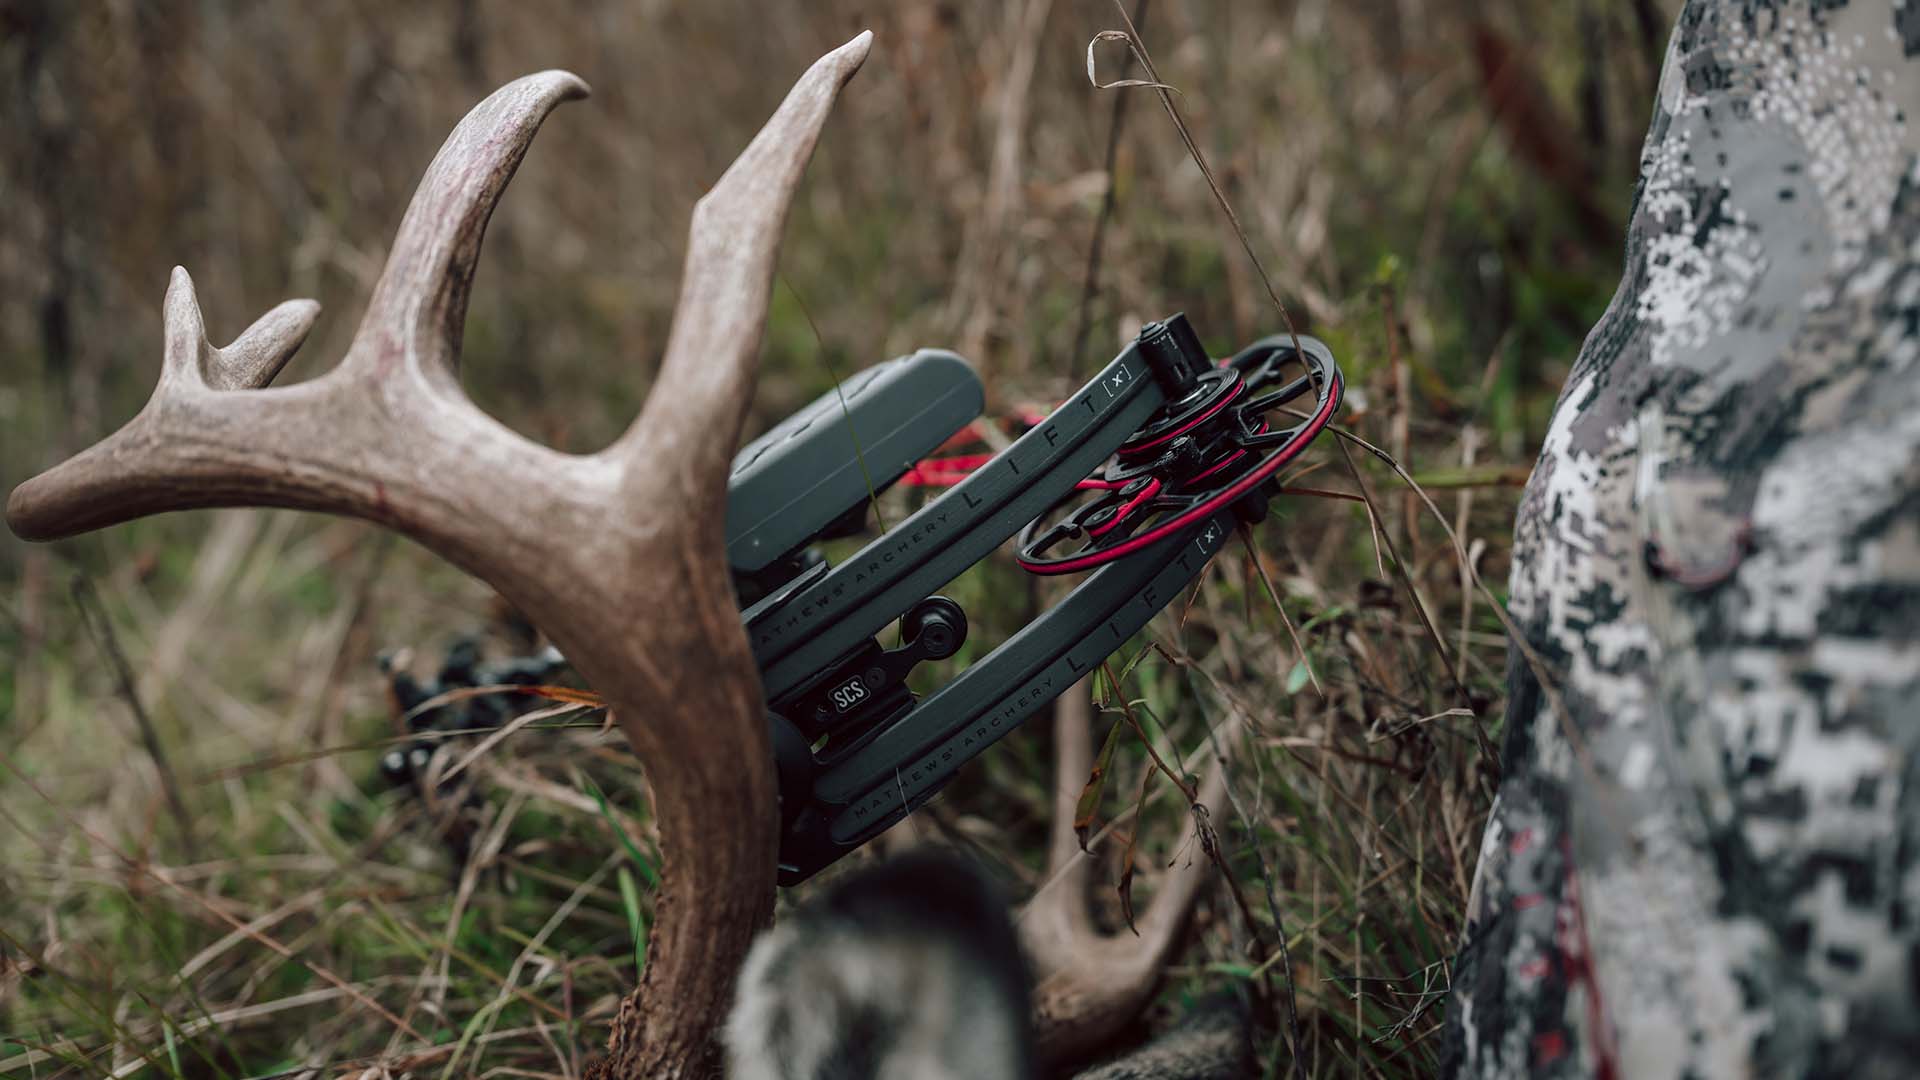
point(1402, 371)
point(1090, 284)
point(1246, 538)
point(846, 416)
point(1297, 1068)
point(140, 868)
point(1126, 709)
point(1535, 663)
point(1401, 570)
point(1159, 87)
point(100, 629)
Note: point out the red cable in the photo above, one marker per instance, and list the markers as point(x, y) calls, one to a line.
point(1148, 492)
point(1234, 394)
point(949, 471)
point(1180, 521)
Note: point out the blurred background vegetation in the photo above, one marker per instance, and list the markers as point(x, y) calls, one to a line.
point(1436, 187)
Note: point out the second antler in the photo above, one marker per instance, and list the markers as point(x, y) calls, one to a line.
point(577, 542)
point(1087, 985)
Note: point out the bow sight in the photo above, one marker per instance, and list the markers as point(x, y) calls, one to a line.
point(1139, 477)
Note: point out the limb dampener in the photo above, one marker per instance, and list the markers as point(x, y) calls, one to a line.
point(1138, 477)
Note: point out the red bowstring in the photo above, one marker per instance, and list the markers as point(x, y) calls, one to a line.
point(936, 472)
point(948, 471)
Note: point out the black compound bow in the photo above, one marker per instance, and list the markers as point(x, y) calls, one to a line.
point(1139, 477)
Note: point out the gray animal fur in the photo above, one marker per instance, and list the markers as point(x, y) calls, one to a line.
point(912, 971)
point(907, 972)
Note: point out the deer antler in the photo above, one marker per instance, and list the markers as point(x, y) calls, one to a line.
point(1087, 985)
point(581, 543)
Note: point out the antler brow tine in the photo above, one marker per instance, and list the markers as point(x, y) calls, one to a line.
point(250, 362)
point(327, 444)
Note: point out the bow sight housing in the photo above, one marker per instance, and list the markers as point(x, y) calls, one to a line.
point(1139, 477)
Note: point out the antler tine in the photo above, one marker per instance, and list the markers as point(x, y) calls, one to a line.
point(718, 886)
point(257, 355)
point(713, 350)
point(214, 435)
point(250, 362)
point(1087, 985)
point(419, 307)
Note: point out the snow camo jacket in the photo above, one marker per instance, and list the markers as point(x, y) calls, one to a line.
point(1704, 856)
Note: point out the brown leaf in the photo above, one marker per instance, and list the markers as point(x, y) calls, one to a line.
point(1089, 802)
point(1126, 868)
point(567, 694)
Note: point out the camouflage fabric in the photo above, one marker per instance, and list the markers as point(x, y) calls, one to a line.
point(1704, 859)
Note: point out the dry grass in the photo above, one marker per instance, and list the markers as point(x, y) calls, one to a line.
point(306, 918)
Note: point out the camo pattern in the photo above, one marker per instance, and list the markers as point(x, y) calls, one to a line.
point(1704, 856)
